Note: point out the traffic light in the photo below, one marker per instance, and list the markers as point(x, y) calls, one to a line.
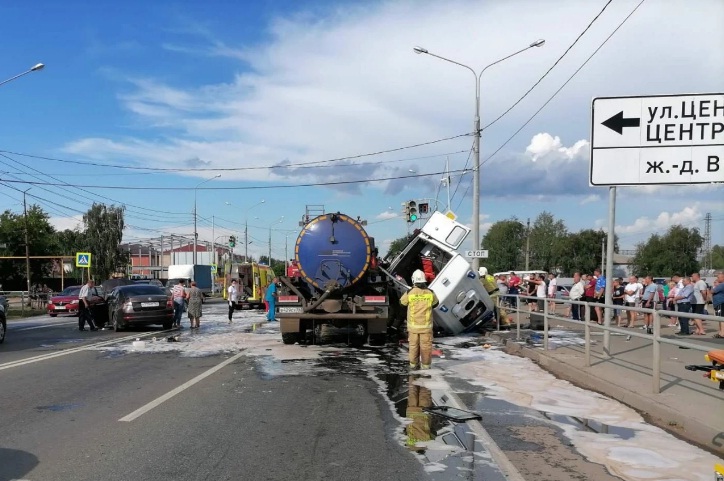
point(232, 241)
point(424, 208)
point(411, 211)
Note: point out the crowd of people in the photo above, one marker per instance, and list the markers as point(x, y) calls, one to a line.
point(689, 294)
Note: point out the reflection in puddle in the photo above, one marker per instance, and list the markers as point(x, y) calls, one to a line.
point(58, 407)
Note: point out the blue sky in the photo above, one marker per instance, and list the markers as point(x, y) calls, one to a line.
point(261, 84)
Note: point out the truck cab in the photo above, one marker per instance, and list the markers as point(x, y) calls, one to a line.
point(464, 302)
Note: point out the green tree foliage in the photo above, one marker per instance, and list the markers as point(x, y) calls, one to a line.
point(582, 251)
point(103, 233)
point(672, 253)
point(505, 242)
point(397, 246)
point(547, 242)
point(717, 257)
point(41, 241)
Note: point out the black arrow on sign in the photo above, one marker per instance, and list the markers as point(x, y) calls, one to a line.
point(617, 123)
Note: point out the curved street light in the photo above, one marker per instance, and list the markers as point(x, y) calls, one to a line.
point(476, 132)
point(34, 68)
point(278, 221)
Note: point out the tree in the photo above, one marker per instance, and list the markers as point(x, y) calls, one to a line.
point(504, 242)
point(547, 242)
point(41, 241)
point(582, 251)
point(397, 246)
point(672, 253)
point(717, 257)
point(103, 233)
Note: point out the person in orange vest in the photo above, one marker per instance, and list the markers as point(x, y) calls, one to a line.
point(420, 302)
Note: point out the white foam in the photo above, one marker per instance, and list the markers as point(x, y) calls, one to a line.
point(650, 454)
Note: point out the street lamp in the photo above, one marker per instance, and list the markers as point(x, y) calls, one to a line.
point(278, 221)
point(246, 231)
point(36, 67)
point(196, 234)
point(476, 132)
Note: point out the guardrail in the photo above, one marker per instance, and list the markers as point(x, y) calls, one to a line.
point(25, 299)
point(655, 338)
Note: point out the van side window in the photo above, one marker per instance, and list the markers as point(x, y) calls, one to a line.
point(456, 236)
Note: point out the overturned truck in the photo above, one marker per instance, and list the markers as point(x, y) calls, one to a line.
point(340, 282)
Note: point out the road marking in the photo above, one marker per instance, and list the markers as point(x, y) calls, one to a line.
point(64, 352)
point(158, 401)
point(46, 325)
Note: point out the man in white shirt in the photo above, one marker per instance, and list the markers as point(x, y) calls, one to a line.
point(632, 294)
point(84, 307)
point(701, 291)
point(576, 293)
point(233, 293)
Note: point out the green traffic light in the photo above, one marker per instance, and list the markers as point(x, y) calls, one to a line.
point(413, 217)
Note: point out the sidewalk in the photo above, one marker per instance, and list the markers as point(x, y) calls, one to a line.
point(689, 405)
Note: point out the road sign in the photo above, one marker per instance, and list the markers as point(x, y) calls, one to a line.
point(663, 139)
point(83, 259)
point(214, 267)
point(479, 254)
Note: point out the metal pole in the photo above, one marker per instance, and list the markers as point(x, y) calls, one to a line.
point(609, 268)
point(213, 255)
point(476, 174)
point(587, 333)
point(27, 244)
point(545, 325)
point(269, 258)
point(447, 180)
point(62, 275)
point(517, 317)
point(656, 361)
point(196, 234)
point(527, 244)
point(246, 239)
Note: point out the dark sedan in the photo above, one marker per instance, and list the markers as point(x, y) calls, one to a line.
point(139, 304)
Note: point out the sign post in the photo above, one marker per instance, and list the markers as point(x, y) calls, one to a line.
point(653, 140)
point(83, 260)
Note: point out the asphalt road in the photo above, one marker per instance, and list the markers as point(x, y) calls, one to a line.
point(60, 416)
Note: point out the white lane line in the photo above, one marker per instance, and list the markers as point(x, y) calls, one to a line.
point(44, 326)
point(64, 352)
point(158, 401)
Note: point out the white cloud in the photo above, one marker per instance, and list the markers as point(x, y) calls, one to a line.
point(589, 199)
point(691, 216)
point(387, 215)
point(63, 223)
point(310, 92)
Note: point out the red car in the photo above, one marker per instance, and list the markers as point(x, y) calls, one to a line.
point(66, 302)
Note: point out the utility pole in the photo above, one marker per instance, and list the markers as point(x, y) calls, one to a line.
point(527, 245)
point(27, 244)
point(707, 261)
point(603, 255)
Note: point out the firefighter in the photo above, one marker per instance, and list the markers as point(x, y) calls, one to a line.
point(420, 302)
point(420, 429)
point(494, 292)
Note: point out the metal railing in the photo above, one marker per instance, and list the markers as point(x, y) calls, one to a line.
point(655, 337)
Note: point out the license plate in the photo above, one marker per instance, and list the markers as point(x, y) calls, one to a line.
point(59, 308)
point(290, 310)
point(149, 304)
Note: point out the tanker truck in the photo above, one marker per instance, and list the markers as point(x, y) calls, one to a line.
point(338, 283)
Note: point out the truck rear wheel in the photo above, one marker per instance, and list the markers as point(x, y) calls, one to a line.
point(290, 337)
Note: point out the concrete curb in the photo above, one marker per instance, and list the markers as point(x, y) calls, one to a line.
point(665, 417)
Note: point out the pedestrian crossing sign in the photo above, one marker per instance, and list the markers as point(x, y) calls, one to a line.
point(214, 268)
point(83, 259)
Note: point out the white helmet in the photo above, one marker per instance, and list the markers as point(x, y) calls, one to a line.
point(482, 271)
point(418, 277)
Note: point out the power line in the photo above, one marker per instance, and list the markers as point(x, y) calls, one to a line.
point(236, 169)
point(552, 66)
point(564, 84)
point(252, 187)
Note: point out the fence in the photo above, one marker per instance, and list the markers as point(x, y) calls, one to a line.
point(26, 301)
point(607, 329)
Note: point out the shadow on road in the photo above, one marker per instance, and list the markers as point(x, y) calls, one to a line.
point(15, 464)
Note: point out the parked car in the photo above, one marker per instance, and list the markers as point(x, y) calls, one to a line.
point(152, 282)
point(139, 304)
point(66, 302)
point(4, 303)
point(563, 293)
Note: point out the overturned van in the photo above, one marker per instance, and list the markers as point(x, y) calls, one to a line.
point(464, 302)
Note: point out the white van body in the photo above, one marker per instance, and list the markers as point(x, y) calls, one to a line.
point(464, 302)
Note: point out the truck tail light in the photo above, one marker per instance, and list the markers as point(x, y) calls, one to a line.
point(288, 299)
point(169, 303)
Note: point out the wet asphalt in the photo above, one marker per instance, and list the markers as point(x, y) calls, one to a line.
point(336, 417)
